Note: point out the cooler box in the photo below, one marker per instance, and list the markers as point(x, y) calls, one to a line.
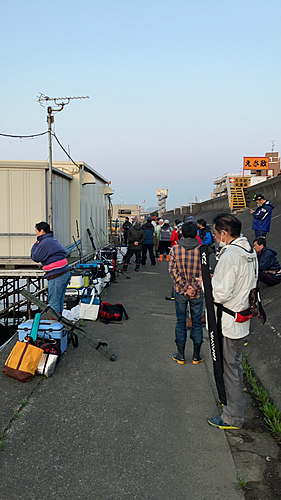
point(90, 306)
point(79, 279)
point(96, 268)
point(48, 329)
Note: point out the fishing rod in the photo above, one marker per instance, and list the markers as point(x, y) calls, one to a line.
point(94, 229)
point(93, 243)
point(79, 251)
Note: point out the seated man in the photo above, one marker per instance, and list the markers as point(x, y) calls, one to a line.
point(269, 267)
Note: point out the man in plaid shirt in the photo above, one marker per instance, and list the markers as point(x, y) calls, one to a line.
point(184, 268)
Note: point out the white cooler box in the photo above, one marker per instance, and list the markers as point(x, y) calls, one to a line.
point(89, 307)
point(48, 329)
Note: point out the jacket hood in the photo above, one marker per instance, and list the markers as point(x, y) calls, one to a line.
point(137, 225)
point(148, 225)
point(244, 248)
point(189, 243)
point(268, 249)
point(269, 204)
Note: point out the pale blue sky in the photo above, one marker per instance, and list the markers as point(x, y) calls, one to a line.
point(179, 90)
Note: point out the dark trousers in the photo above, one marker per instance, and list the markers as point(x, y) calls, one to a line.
point(164, 247)
point(260, 233)
point(146, 247)
point(125, 237)
point(130, 254)
point(268, 279)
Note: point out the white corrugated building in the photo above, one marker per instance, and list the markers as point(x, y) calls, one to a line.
point(79, 194)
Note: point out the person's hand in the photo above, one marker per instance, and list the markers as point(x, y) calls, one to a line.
point(199, 282)
point(136, 243)
point(190, 291)
point(252, 211)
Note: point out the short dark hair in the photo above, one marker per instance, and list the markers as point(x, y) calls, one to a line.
point(260, 241)
point(202, 222)
point(43, 225)
point(177, 221)
point(189, 230)
point(229, 223)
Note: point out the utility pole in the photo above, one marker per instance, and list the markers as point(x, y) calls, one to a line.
point(59, 103)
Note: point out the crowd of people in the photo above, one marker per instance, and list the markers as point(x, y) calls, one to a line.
point(238, 269)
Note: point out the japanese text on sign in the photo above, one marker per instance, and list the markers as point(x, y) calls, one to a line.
point(256, 163)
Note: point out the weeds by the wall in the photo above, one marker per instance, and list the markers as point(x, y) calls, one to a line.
point(272, 415)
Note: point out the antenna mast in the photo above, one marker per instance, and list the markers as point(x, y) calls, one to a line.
point(59, 103)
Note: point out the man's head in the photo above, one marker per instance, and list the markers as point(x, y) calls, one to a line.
point(127, 219)
point(259, 198)
point(42, 228)
point(166, 221)
point(259, 243)
point(189, 230)
point(160, 222)
point(177, 222)
point(154, 218)
point(148, 219)
point(226, 228)
point(201, 223)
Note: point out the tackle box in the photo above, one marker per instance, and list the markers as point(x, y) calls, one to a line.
point(48, 329)
point(96, 268)
point(79, 279)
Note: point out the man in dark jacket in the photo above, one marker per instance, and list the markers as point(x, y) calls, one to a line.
point(51, 253)
point(126, 226)
point(262, 215)
point(148, 230)
point(269, 267)
point(136, 238)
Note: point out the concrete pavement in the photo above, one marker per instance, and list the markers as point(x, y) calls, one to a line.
point(135, 428)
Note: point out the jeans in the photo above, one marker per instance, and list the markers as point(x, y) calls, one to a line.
point(196, 311)
point(56, 291)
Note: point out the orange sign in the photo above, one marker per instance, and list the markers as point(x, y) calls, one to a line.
point(256, 163)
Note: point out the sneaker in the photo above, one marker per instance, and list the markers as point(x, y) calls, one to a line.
point(169, 298)
point(220, 424)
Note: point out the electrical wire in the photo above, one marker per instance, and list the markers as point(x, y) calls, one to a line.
point(23, 136)
point(54, 135)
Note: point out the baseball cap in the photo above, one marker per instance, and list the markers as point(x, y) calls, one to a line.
point(258, 197)
point(166, 221)
point(154, 218)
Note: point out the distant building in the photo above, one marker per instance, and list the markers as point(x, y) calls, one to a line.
point(120, 211)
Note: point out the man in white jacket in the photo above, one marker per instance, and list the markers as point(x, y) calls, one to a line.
point(234, 277)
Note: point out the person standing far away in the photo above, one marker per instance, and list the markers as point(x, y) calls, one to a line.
point(148, 230)
point(184, 268)
point(136, 238)
point(175, 233)
point(126, 226)
point(52, 255)
point(164, 236)
point(262, 215)
point(234, 277)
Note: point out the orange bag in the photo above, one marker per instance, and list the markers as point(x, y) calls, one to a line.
point(23, 361)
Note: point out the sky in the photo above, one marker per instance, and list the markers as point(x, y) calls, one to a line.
point(179, 91)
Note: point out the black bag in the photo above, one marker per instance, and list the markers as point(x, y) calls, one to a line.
point(256, 306)
point(112, 312)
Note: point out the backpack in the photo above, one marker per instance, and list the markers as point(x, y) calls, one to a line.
point(112, 312)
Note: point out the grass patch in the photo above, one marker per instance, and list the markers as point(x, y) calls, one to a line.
point(272, 416)
point(241, 483)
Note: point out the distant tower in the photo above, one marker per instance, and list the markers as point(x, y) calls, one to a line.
point(162, 194)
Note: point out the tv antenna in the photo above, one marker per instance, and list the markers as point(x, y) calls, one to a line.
point(272, 144)
point(58, 105)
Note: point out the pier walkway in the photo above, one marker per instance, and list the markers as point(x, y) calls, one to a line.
point(135, 428)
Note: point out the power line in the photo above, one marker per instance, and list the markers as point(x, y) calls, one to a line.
point(23, 136)
point(54, 135)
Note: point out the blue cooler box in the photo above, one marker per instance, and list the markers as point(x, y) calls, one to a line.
point(48, 329)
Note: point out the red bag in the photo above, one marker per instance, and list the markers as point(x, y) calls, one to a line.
point(112, 312)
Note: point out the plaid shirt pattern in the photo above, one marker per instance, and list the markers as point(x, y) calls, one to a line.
point(184, 267)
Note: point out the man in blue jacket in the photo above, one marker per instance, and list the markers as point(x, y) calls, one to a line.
point(148, 229)
point(262, 215)
point(52, 255)
point(269, 267)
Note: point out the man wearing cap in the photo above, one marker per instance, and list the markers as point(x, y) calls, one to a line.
point(262, 215)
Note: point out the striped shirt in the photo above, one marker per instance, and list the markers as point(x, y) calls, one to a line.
point(184, 267)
